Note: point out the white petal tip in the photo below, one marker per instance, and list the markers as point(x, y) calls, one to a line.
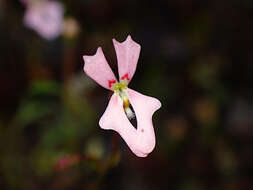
point(159, 105)
point(129, 37)
point(99, 50)
point(115, 42)
point(141, 155)
point(87, 58)
point(103, 125)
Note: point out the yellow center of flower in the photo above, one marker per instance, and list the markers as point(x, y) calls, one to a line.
point(120, 88)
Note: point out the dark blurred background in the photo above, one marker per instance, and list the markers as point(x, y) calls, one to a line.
point(196, 58)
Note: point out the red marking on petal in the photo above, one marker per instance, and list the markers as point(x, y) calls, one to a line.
point(125, 77)
point(110, 82)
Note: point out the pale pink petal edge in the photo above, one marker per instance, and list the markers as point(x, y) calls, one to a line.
point(142, 140)
point(127, 53)
point(97, 68)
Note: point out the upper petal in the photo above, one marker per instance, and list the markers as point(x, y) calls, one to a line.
point(141, 140)
point(127, 54)
point(97, 68)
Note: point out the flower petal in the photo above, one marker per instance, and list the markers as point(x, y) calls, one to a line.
point(97, 68)
point(46, 18)
point(127, 55)
point(141, 140)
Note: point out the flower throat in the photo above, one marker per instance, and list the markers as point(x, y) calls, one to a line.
point(120, 88)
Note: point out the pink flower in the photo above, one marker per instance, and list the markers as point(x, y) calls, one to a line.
point(45, 17)
point(141, 140)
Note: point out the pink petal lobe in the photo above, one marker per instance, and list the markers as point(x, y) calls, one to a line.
point(127, 55)
point(97, 68)
point(141, 140)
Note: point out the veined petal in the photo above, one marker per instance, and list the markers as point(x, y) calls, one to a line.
point(141, 140)
point(127, 54)
point(97, 68)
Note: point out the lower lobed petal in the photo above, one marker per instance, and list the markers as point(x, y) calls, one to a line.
point(141, 140)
